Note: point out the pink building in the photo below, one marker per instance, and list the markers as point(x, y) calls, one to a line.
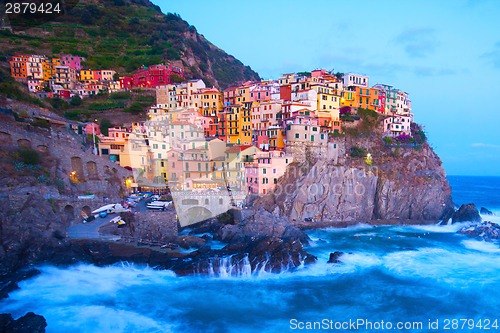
point(96, 131)
point(72, 61)
point(263, 173)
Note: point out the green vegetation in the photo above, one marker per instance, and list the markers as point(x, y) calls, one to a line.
point(388, 140)
point(75, 101)
point(119, 95)
point(369, 120)
point(12, 89)
point(105, 124)
point(105, 105)
point(123, 35)
point(28, 156)
point(135, 108)
point(358, 152)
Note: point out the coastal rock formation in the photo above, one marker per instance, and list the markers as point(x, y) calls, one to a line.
point(466, 213)
point(29, 323)
point(409, 187)
point(334, 257)
point(485, 211)
point(487, 231)
point(29, 235)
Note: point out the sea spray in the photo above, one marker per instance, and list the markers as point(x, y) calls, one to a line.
point(385, 273)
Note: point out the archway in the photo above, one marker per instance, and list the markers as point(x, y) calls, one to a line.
point(24, 143)
point(86, 211)
point(198, 213)
point(42, 149)
point(5, 138)
point(77, 168)
point(92, 170)
point(69, 213)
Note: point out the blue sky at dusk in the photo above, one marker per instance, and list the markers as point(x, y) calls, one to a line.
point(445, 54)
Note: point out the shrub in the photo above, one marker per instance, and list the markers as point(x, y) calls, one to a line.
point(420, 137)
point(345, 110)
point(29, 156)
point(403, 138)
point(388, 140)
point(358, 152)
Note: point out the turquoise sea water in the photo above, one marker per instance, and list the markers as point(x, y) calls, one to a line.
point(419, 279)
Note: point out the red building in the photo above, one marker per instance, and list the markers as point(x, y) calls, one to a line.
point(64, 94)
point(286, 92)
point(152, 76)
point(381, 101)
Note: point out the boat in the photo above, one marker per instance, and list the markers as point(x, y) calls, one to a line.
point(159, 204)
point(110, 209)
point(106, 208)
point(117, 220)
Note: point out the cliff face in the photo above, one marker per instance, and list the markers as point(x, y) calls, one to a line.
point(402, 184)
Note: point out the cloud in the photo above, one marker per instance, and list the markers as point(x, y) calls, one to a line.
point(493, 56)
point(431, 71)
point(418, 43)
point(485, 145)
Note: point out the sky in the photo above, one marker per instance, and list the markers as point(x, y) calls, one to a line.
point(445, 54)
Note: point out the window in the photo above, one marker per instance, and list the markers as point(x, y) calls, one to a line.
point(296, 135)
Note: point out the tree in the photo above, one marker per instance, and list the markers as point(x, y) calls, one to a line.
point(75, 101)
point(105, 124)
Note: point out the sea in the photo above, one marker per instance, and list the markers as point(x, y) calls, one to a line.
point(390, 278)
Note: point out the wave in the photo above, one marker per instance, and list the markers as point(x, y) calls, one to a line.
point(481, 246)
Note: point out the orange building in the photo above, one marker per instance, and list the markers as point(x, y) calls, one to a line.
point(19, 66)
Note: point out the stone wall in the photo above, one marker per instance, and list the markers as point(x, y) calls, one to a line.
point(93, 174)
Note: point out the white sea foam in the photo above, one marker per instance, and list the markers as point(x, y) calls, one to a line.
point(435, 228)
point(455, 267)
point(95, 318)
point(481, 246)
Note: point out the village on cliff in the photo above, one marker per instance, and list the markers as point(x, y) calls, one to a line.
point(199, 138)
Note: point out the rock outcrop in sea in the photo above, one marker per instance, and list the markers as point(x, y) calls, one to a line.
point(466, 213)
point(486, 230)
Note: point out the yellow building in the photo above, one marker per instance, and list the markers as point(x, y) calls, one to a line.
point(232, 114)
point(349, 98)
point(242, 95)
point(86, 75)
point(245, 124)
point(49, 68)
point(210, 102)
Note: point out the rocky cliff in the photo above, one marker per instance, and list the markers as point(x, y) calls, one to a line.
point(405, 184)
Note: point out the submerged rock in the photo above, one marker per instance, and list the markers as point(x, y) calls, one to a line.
point(485, 211)
point(466, 213)
point(486, 231)
point(334, 257)
point(29, 323)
